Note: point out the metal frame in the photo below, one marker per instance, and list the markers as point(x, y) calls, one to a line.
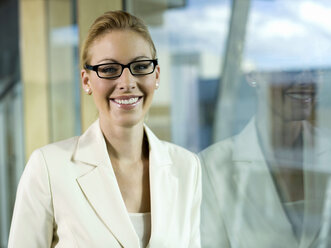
point(230, 79)
point(11, 120)
point(4, 210)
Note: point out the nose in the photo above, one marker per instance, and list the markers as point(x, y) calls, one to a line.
point(126, 81)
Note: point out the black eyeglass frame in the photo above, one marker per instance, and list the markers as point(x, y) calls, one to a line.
point(95, 68)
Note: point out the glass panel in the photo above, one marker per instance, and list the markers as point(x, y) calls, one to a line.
point(11, 155)
point(11, 126)
point(266, 181)
point(190, 40)
point(63, 74)
point(4, 209)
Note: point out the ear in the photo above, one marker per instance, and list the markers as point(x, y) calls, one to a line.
point(86, 84)
point(157, 76)
point(252, 80)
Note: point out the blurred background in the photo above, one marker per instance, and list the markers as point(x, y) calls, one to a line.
point(207, 49)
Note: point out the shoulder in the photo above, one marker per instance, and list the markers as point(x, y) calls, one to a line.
point(220, 151)
point(165, 152)
point(217, 160)
point(184, 161)
point(63, 146)
point(184, 164)
point(54, 151)
point(37, 170)
point(178, 152)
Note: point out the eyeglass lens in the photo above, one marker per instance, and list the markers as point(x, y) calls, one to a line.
point(136, 68)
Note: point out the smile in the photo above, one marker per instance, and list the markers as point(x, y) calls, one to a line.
point(127, 101)
point(306, 97)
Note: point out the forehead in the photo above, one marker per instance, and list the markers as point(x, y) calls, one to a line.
point(279, 78)
point(119, 45)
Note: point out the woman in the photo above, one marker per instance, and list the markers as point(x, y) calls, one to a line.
point(117, 185)
point(271, 180)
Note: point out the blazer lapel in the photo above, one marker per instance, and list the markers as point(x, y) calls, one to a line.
point(164, 186)
point(316, 162)
point(257, 193)
point(100, 186)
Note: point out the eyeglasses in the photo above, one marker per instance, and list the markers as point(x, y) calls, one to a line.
point(115, 70)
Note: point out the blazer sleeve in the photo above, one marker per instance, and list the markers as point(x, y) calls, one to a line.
point(32, 222)
point(195, 240)
point(213, 231)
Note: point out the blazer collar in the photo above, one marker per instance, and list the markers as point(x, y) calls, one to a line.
point(247, 151)
point(101, 189)
point(159, 155)
point(163, 190)
point(92, 149)
point(246, 144)
point(252, 175)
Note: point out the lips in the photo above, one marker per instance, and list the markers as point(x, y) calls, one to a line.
point(126, 102)
point(303, 96)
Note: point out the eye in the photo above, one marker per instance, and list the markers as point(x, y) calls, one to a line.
point(141, 66)
point(110, 69)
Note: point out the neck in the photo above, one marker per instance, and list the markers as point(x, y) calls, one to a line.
point(278, 132)
point(124, 144)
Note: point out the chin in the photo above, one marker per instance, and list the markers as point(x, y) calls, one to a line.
point(298, 116)
point(292, 114)
point(129, 122)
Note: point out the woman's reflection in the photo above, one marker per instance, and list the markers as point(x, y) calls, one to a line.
point(265, 187)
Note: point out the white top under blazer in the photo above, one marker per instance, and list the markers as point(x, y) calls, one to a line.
point(142, 225)
point(68, 196)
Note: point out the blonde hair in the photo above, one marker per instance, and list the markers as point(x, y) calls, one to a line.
point(114, 20)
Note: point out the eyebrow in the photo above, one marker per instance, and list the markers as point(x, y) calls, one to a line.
point(140, 57)
point(115, 61)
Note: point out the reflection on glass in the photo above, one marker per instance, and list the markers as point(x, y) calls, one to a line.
point(190, 40)
point(270, 185)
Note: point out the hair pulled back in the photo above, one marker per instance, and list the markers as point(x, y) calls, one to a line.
point(114, 20)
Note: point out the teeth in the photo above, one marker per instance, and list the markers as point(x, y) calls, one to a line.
point(301, 96)
point(127, 101)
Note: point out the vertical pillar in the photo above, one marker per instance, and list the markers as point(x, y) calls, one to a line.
point(62, 44)
point(4, 210)
point(229, 84)
point(34, 66)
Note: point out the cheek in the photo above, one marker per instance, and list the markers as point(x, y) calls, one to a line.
point(147, 87)
point(277, 96)
point(102, 89)
point(149, 90)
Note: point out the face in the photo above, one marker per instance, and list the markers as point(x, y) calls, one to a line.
point(294, 102)
point(290, 98)
point(124, 100)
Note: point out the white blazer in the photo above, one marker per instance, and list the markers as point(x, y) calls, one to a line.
point(241, 207)
point(68, 197)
